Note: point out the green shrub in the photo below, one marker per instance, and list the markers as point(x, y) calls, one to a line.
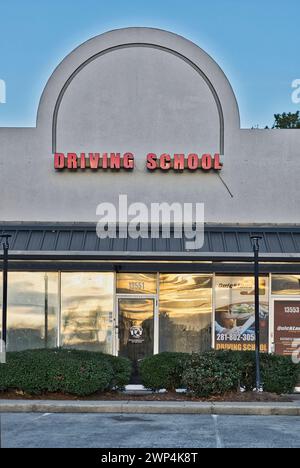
point(163, 371)
point(206, 375)
point(122, 369)
point(244, 363)
point(218, 372)
point(24, 371)
point(60, 370)
point(279, 374)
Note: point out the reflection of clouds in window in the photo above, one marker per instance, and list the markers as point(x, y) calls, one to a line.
point(286, 284)
point(180, 294)
point(78, 301)
point(185, 312)
point(184, 284)
point(139, 309)
point(238, 290)
point(87, 307)
point(32, 310)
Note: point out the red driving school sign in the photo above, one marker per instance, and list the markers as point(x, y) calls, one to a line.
point(177, 162)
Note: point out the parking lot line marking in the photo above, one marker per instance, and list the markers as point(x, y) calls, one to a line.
point(42, 416)
point(219, 442)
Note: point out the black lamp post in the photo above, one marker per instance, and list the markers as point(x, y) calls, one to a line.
point(5, 244)
point(46, 306)
point(255, 243)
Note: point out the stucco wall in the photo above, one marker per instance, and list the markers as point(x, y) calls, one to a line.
point(144, 90)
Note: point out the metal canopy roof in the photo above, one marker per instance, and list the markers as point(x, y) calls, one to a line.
point(221, 242)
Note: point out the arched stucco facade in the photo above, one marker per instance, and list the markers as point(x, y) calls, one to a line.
point(145, 90)
point(138, 91)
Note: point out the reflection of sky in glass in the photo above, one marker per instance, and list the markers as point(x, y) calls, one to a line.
point(87, 310)
point(185, 306)
point(26, 299)
point(27, 307)
point(238, 289)
point(185, 296)
point(136, 310)
point(286, 284)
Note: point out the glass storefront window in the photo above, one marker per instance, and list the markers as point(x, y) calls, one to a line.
point(235, 313)
point(286, 285)
point(1, 293)
point(87, 301)
point(185, 313)
point(32, 310)
point(133, 283)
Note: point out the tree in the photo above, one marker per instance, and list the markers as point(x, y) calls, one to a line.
point(290, 120)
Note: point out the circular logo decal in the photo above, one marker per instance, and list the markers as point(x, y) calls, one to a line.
point(136, 332)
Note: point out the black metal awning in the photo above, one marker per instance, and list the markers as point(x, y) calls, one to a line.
point(80, 241)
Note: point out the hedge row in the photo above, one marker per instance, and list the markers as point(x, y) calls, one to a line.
point(218, 372)
point(83, 373)
point(163, 371)
point(71, 372)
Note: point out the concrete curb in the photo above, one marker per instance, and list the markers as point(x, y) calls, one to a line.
point(146, 407)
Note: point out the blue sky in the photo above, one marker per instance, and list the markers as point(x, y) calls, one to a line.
point(255, 42)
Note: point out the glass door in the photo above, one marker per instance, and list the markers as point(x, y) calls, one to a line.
point(136, 329)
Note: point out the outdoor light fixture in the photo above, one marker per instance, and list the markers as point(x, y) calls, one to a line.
point(5, 244)
point(255, 243)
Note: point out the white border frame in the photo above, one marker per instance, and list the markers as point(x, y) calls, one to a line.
point(275, 298)
point(272, 299)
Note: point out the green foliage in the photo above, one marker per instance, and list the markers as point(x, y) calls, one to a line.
point(60, 370)
point(218, 372)
point(122, 369)
point(244, 363)
point(83, 373)
point(163, 371)
point(287, 120)
point(279, 374)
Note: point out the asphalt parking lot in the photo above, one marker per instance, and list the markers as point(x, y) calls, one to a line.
point(150, 431)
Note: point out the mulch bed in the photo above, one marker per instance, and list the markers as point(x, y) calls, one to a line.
point(169, 396)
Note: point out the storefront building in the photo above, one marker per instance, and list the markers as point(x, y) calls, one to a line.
point(146, 113)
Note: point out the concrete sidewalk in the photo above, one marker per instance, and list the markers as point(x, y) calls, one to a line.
point(149, 407)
